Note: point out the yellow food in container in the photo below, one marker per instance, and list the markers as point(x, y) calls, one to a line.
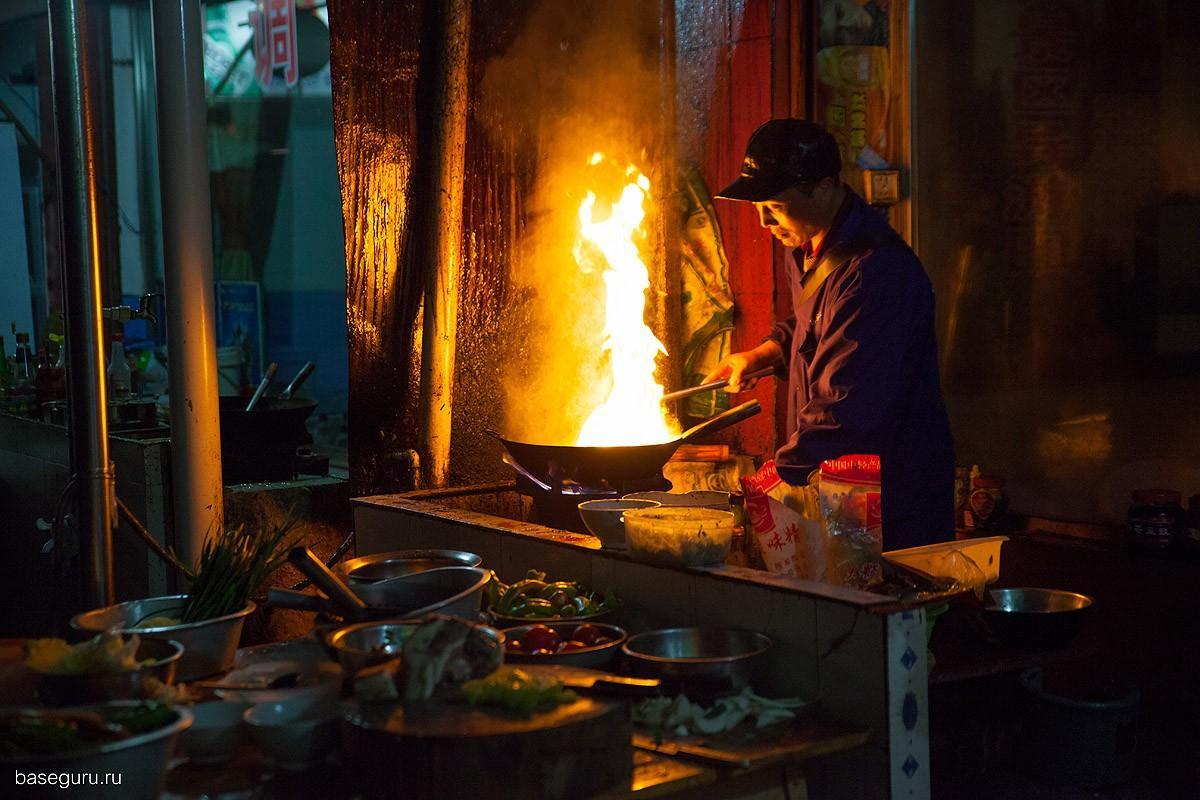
point(688, 537)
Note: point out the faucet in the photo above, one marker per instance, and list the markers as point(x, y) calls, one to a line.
point(125, 313)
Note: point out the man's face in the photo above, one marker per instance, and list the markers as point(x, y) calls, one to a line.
point(793, 217)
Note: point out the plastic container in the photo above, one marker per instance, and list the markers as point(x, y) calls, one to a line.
point(1084, 736)
point(985, 552)
point(688, 537)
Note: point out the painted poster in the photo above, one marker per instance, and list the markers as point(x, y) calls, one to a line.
point(853, 84)
point(239, 333)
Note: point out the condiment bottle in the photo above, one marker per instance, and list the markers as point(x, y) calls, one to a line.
point(987, 506)
point(1155, 517)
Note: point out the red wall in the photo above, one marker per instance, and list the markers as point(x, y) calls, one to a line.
point(750, 87)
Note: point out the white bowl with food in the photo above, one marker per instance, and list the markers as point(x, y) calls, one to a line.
point(129, 738)
point(215, 733)
point(300, 684)
point(681, 536)
point(605, 519)
point(294, 737)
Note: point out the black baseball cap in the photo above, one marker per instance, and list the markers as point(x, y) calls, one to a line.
point(783, 152)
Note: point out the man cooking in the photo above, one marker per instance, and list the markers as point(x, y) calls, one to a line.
point(859, 347)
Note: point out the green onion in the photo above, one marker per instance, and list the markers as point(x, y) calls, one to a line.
point(233, 565)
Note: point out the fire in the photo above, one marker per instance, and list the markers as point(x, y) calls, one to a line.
point(633, 412)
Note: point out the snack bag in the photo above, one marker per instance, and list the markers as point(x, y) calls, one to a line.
point(851, 519)
point(785, 523)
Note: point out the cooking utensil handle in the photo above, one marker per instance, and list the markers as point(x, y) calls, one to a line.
point(708, 387)
point(723, 420)
point(300, 378)
point(267, 377)
point(299, 601)
point(339, 593)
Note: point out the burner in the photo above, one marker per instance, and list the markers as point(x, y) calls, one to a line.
point(559, 506)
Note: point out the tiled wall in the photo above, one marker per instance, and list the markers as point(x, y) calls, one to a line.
point(828, 645)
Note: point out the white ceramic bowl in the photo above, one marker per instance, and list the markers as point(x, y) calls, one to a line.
point(318, 682)
point(294, 737)
point(215, 734)
point(604, 518)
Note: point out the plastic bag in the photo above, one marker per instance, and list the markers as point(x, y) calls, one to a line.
point(851, 519)
point(785, 523)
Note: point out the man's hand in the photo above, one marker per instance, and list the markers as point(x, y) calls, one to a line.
point(735, 365)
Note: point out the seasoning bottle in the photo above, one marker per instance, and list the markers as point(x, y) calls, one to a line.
point(986, 507)
point(1155, 517)
point(119, 378)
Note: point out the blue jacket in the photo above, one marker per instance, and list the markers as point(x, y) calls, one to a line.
point(863, 373)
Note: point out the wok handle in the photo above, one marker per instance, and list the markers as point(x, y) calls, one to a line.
point(346, 601)
point(722, 421)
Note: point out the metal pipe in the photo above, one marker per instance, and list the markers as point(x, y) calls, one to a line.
point(75, 123)
point(188, 270)
point(442, 238)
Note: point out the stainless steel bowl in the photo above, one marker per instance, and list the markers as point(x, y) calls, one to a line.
point(369, 643)
point(140, 760)
point(601, 656)
point(129, 684)
point(1045, 617)
point(209, 646)
point(456, 591)
point(713, 658)
point(381, 566)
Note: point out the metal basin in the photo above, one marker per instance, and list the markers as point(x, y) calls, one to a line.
point(140, 760)
point(209, 646)
point(456, 591)
point(369, 643)
point(397, 563)
point(1045, 617)
point(129, 684)
point(708, 659)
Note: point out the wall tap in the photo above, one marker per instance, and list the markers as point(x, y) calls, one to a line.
point(126, 313)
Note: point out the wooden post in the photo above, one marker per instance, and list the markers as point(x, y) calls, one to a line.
point(441, 241)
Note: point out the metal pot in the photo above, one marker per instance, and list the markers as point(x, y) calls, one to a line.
point(369, 643)
point(381, 566)
point(589, 465)
point(711, 660)
point(260, 445)
point(209, 646)
point(1044, 617)
point(128, 684)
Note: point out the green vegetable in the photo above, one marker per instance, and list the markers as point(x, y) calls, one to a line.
point(509, 600)
point(233, 565)
point(566, 587)
point(516, 690)
point(530, 586)
point(144, 718)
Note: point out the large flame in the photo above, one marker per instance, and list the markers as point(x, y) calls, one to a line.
point(633, 412)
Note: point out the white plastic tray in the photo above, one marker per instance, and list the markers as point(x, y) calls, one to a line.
point(985, 552)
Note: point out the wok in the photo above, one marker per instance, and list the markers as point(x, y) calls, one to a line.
point(589, 465)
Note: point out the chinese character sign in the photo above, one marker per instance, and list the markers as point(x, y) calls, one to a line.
point(274, 24)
